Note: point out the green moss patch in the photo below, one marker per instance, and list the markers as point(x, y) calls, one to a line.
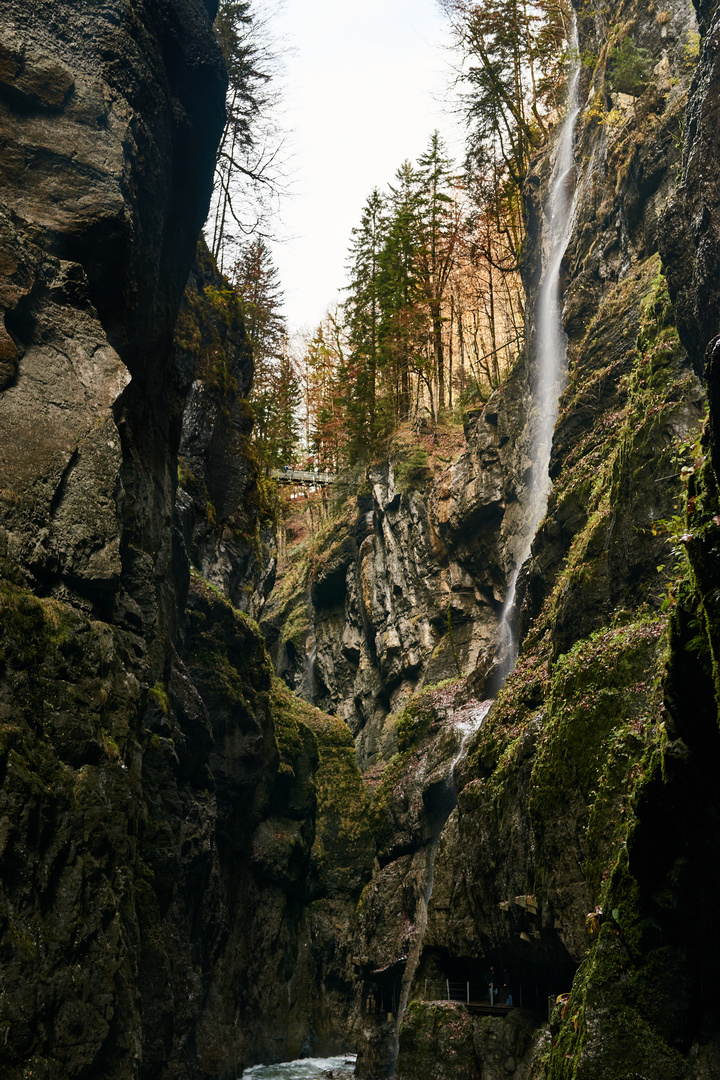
point(343, 848)
point(436, 1041)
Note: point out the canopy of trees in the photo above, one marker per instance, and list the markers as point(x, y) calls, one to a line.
point(433, 313)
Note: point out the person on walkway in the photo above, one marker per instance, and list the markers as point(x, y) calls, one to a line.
point(492, 984)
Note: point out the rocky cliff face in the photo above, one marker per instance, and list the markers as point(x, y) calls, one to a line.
point(224, 504)
point(194, 875)
point(182, 848)
point(403, 587)
point(572, 859)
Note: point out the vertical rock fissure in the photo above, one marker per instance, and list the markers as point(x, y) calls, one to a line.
point(550, 352)
point(468, 729)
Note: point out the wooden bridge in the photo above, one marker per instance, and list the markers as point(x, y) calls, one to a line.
point(311, 477)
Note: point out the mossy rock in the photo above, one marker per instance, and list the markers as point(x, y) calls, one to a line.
point(343, 848)
point(436, 1042)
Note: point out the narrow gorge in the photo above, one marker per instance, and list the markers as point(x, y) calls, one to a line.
point(269, 795)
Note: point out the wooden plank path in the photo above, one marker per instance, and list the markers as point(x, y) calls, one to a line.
point(302, 476)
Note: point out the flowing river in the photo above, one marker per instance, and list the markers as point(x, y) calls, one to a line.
point(332, 1068)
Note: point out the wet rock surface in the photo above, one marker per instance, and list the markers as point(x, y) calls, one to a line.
point(552, 865)
point(224, 506)
point(195, 875)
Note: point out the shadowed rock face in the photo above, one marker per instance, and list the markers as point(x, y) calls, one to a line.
point(224, 502)
point(181, 849)
point(110, 118)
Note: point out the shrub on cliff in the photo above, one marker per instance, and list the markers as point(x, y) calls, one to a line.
point(628, 68)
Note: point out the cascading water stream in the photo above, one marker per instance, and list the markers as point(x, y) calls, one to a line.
point(468, 729)
point(550, 351)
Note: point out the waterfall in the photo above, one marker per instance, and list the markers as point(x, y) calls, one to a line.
point(468, 729)
point(550, 351)
point(310, 662)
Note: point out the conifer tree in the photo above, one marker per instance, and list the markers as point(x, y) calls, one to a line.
point(275, 395)
point(439, 232)
point(283, 437)
point(363, 315)
point(402, 304)
point(249, 169)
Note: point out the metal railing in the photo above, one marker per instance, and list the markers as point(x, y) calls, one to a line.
point(469, 992)
point(302, 476)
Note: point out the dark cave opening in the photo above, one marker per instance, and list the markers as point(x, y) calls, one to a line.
point(526, 980)
point(381, 988)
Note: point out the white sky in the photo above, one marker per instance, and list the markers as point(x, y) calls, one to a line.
point(363, 89)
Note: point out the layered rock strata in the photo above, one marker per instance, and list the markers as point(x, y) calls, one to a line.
point(563, 862)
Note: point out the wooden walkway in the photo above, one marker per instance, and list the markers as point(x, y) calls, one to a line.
point(302, 476)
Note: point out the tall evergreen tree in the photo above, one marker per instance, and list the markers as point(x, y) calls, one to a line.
point(275, 395)
point(283, 438)
point(439, 228)
point(403, 319)
point(249, 172)
point(363, 314)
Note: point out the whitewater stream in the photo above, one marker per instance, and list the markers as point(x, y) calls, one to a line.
point(550, 351)
point(332, 1068)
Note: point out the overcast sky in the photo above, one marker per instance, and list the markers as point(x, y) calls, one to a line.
point(363, 89)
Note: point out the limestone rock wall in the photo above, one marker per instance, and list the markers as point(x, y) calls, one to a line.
point(569, 861)
point(226, 510)
point(109, 121)
point(404, 587)
point(181, 851)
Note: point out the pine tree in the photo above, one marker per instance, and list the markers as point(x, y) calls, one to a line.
point(439, 228)
point(403, 329)
point(275, 395)
point(249, 169)
point(363, 317)
point(283, 438)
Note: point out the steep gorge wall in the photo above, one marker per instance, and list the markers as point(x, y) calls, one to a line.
point(403, 587)
point(588, 790)
point(182, 845)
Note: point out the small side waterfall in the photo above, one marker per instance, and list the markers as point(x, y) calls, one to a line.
point(550, 352)
point(310, 661)
point(468, 729)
